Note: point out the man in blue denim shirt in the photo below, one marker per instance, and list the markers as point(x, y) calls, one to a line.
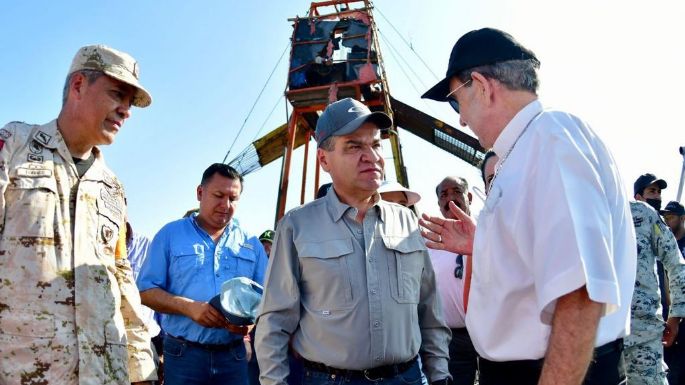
point(188, 261)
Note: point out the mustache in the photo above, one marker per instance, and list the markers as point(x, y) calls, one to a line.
point(459, 204)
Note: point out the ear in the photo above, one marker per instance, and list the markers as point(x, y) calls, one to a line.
point(485, 87)
point(322, 156)
point(638, 197)
point(77, 84)
point(199, 193)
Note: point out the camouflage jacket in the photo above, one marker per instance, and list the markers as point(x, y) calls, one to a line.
point(654, 242)
point(69, 308)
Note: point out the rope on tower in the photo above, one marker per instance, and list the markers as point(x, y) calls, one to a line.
point(256, 101)
point(401, 57)
point(268, 117)
point(393, 51)
point(408, 45)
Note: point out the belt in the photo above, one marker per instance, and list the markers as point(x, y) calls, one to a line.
point(609, 347)
point(616, 345)
point(213, 347)
point(373, 374)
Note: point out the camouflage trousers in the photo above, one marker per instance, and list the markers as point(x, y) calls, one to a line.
point(645, 363)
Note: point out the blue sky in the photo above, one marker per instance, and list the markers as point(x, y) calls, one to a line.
point(616, 64)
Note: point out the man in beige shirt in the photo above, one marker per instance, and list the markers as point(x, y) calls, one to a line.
point(70, 311)
point(350, 281)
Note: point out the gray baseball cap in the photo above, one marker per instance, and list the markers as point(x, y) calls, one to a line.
point(238, 300)
point(345, 117)
point(114, 63)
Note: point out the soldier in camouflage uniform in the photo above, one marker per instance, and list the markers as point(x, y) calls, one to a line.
point(69, 308)
point(644, 350)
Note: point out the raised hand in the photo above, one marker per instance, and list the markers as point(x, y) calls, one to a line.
point(455, 235)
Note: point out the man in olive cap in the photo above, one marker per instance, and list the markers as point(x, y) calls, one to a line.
point(69, 309)
point(554, 248)
point(267, 239)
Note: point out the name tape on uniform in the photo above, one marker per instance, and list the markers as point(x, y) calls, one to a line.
point(34, 172)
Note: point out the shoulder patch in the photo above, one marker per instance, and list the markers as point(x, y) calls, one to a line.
point(35, 147)
point(42, 138)
point(35, 158)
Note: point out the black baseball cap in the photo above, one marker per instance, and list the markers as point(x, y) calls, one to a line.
point(476, 48)
point(645, 180)
point(673, 207)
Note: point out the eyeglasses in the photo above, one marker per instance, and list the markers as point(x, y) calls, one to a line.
point(459, 270)
point(452, 101)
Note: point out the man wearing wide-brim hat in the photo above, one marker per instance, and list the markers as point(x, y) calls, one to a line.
point(349, 281)
point(69, 309)
point(554, 249)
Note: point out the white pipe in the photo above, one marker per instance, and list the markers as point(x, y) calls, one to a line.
point(682, 174)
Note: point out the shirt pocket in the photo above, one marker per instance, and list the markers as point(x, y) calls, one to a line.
point(30, 207)
point(405, 267)
point(245, 262)
point(185, 265)
point(326, 277)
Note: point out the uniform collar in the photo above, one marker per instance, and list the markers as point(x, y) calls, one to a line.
point(515, 127)
point(229, 227)
point(337, 209)
point(49, 136)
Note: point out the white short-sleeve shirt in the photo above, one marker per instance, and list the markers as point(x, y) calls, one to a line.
point(451, 288)
point(557, 217)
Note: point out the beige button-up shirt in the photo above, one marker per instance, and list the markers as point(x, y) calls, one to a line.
point(69, 309)
point(346, 306)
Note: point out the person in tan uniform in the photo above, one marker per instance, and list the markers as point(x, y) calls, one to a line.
point(70, 312)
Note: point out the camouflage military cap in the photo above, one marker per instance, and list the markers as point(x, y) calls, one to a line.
point(116, 64)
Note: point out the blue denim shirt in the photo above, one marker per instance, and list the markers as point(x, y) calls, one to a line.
point(137, 252)
point(183, 260)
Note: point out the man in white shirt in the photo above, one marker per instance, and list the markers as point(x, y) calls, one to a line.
point(554, 252)
point(450, 273)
